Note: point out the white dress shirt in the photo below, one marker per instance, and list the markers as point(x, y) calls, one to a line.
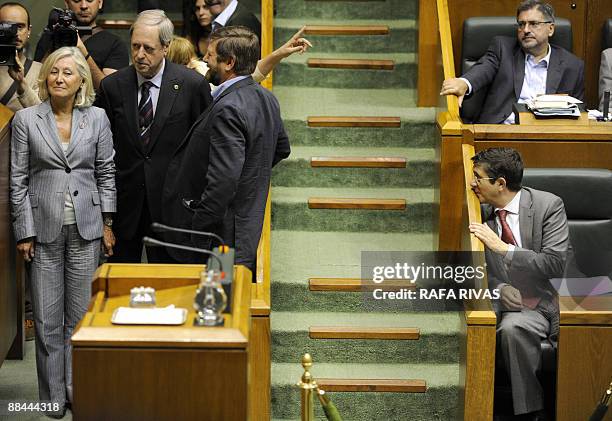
point(224, 16)
point(156, 81)
point(512, 218)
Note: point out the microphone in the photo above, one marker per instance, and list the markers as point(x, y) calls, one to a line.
point(606, 105)
point(156, 243)
point(157, 227)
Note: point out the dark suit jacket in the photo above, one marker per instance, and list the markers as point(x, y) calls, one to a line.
point(224, 164)
point(545, 244)
point(141, 170)
point(502, 71)
point(244, 17)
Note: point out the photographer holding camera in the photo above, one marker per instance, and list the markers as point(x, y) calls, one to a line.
point(18, 83)
point(105, 52)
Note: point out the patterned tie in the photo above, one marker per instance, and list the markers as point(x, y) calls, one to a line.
point(529, 297)
point(145, 112)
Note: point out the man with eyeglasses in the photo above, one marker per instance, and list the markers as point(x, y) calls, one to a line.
point(151, 105)
point(526, 238)
point(517, 70)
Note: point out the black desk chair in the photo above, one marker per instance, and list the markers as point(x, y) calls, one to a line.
point(587, 196)
point(477, 35)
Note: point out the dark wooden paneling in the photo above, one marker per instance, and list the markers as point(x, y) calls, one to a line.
point(597, 13)
point(9, 311)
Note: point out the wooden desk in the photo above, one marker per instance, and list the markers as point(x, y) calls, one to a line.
point(541, 146)
point(584, 355)
point(162, 372)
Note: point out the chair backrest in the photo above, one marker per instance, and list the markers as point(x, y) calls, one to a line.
point(587, 196)
point(477, 35)
point(606, 41)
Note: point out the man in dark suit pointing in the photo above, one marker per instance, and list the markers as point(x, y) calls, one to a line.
point(222, 168)
point(151, 106)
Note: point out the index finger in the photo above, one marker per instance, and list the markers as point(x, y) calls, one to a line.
point(299, 33)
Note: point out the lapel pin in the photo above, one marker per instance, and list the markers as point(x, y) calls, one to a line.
point(176, 87)
point(82, 125)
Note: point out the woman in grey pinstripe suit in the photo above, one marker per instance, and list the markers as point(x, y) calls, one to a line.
point(62, 199)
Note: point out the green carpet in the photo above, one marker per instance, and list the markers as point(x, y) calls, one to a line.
point(328, 243)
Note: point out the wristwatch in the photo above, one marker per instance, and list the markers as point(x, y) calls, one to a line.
point(108, 221)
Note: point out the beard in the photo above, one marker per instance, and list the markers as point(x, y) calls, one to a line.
point(213, 77)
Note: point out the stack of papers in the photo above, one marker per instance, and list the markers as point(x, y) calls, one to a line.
point(554, 106)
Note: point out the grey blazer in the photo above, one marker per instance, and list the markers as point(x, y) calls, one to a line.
point(545, 243)
point(605, 75)
point(41, 173)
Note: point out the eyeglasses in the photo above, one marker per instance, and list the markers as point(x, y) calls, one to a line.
point(533, 24)
point(477, 178)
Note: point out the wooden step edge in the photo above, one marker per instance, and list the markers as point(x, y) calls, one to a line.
point(372, 385)
point(346, 30)
point(358, 162)
point(358, 332)
point(356, 203)
point(320, 121)
point(360, 64)
point(357, 285)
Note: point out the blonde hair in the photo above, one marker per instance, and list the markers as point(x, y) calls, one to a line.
point(86, 94)
point(181, 51)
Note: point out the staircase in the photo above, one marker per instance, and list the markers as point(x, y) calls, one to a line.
point(359, 178)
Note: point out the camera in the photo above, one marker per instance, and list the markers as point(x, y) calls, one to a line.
point(62, 26)
point(8, 42)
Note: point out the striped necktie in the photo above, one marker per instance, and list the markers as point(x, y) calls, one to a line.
point(145, 112)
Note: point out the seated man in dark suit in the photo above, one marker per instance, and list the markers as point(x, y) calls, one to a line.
point(517, 70)
point(224, 164)
point(232, 13)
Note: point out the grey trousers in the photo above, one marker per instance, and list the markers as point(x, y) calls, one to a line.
point(518, 336)
point(62, 272)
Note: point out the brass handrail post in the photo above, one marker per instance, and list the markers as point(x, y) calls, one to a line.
point(308, 386)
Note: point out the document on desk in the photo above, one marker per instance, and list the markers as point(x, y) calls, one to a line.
point(554, 106)
point(149, 316)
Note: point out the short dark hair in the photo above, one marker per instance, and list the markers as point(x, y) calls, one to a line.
point(545, 8)
point(501, 162)
point(14, 3)
point(240, 43)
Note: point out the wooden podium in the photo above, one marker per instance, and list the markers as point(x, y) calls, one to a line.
point(160, 372)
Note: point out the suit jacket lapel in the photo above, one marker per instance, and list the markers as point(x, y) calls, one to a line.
point(48, 129)
point(553, 75)
point(170, 87)
point(79, 122)
point(519, 71)
point(526, 220)
point(246, 81)
point(129, 88)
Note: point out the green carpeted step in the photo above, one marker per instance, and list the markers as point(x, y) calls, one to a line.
point(294, 71)
point(359, 9)
point(290, 210)
point(439, 402)
point(438, 343)
point(300, 255)
point(298, 103)
point(402, 36)
point(296, 171)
